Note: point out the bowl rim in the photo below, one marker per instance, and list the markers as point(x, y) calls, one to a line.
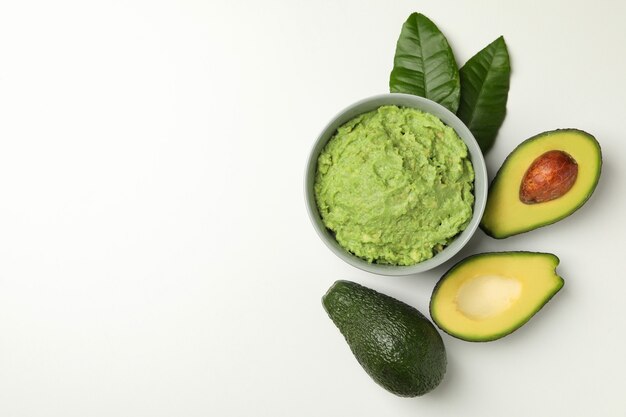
point(422, 104)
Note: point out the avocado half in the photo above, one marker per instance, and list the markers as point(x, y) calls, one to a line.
point(488, 296)
point(506, 214)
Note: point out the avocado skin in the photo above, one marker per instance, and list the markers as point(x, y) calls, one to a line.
point(567, 212)
point(518, 324)
point(395, 344)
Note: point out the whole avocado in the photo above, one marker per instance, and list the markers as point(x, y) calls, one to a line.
point(395, 344)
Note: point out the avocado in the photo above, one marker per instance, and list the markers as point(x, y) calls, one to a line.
point(395, 344)
point(545, 179)
point(488, 296)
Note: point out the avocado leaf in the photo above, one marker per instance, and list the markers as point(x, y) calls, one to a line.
point(424, 64)
point(484, 91)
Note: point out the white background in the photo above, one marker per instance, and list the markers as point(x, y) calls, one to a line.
point(155, 254)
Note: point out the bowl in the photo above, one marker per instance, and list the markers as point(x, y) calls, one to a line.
point(425, 105)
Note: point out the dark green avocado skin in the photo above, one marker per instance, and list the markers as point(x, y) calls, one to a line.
point(395, 344)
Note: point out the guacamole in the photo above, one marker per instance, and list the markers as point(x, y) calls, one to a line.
point(395, 185)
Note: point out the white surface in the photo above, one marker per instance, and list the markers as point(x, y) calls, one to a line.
point(155, 254)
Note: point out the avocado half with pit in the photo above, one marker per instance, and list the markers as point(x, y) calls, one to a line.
point(545, 179)
point(488, 296)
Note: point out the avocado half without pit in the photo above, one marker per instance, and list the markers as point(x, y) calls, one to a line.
point(487, 296)
point(545, 179)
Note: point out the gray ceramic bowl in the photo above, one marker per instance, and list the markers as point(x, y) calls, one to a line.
point(402, 100)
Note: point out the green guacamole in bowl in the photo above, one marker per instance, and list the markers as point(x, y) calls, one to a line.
point(395, 185)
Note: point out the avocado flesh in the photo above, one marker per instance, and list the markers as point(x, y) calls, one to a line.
point(488, 296)
point(395, 344)
point(506, 215)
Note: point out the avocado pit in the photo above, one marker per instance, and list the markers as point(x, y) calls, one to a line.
point(549, 177)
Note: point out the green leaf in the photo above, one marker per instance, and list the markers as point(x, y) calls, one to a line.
point(424, 64)
point(484, 90)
